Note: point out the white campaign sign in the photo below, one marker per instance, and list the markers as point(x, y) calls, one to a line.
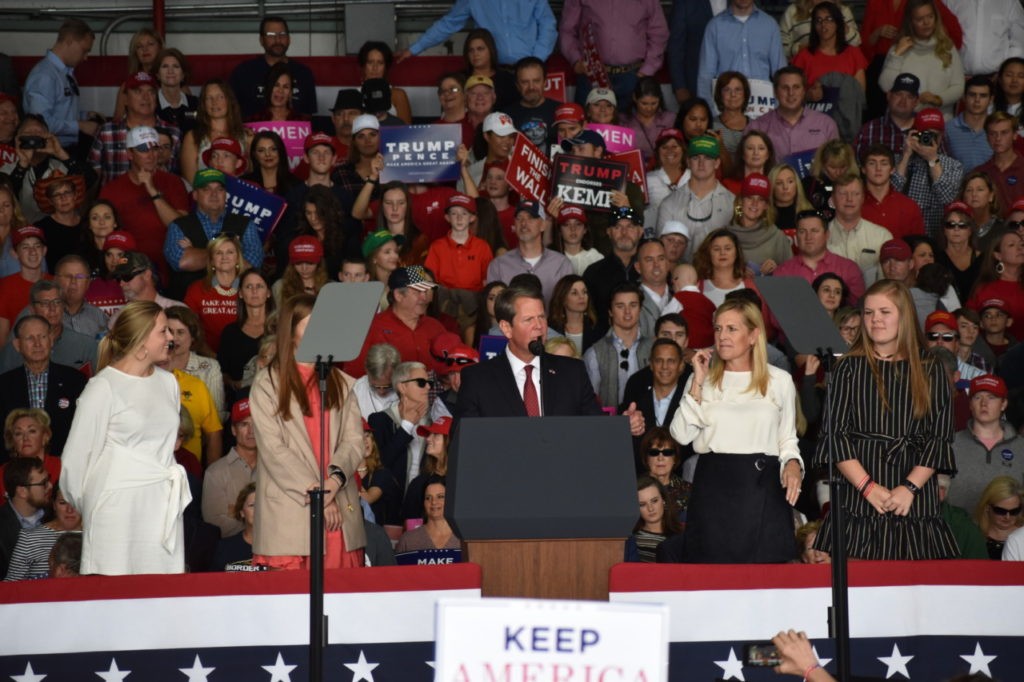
point(569, 641)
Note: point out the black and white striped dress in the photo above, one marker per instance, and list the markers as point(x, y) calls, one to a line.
point(889, 444)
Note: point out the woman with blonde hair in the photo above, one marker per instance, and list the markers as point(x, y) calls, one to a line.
point(143, 49)
point(764, 245)
point(285, 404)
point(788, 198)
point(888, 426)
point(747, 479)
point(27, 433)
point(118, 464)
point(11, 219)
point(998, 512)
point(925, 50)
point(833, 160)
point(215, 297)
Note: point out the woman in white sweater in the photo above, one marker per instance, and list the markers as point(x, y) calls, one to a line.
point(747, 478)
point(925, 50)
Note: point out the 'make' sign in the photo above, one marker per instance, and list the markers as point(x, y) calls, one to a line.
point(529, 171)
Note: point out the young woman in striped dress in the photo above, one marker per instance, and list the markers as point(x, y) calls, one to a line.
point(889, 428)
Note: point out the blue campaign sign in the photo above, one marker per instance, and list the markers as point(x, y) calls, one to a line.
point(428, 557)
point(421, 153)
point(801, 162)
point(491, 345)
point(264, 208)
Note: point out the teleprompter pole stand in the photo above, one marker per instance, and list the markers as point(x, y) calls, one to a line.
point(317, 619)
point(839, 612)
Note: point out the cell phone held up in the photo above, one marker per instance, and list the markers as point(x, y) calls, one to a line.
point(761, 655)
point(31, 142)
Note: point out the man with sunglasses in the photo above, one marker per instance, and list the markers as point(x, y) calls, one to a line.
point(942, 331)
point(989, 446)
point(138, 280)
point(395, 428)
point(28, 488)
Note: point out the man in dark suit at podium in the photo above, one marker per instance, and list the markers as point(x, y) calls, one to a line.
point(524, 380)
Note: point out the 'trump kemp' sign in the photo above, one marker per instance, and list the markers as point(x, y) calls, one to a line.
point(421, 153)
point(587, 182)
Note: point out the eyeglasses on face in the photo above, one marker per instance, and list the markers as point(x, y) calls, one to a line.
point(420, 381)
point(944, 336)
point(957, 225)
point(663, 452)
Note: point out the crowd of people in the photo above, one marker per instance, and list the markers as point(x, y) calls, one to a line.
point(140, 315)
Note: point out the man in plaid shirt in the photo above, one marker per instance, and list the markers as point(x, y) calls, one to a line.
point(892, 128)
point(109, 154)
point(924, 173)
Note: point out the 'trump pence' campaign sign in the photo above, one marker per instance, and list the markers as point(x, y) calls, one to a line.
point(521, 639)
point(421, 153)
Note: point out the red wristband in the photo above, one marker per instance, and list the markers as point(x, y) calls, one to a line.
point(867, 489)
point(810, 669)
point(863, 482)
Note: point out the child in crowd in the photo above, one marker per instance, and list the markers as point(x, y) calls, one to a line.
point(459, 261)
point(994, 323)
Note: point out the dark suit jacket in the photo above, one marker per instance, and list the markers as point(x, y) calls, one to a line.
point(10, 527)
point(64, 386)
point(638, 390)
point(489, 389)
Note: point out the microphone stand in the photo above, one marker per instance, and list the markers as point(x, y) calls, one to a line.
point(317, 619)
point(839, 612)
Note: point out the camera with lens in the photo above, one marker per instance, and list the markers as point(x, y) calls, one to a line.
point(31, 142)
point(927, 138)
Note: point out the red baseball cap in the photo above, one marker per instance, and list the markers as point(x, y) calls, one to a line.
point(958, 207)
point(756, 185)
point(940, 317)
point(442, 425)
point(670, 134)
point(305, 249)
point(569, 112)
point(989, 383)
point(119, 239)
point(318, 138)
point(1017, 205)
point(462, 201)
point(227, 144)
point(571, 212)
point(240, 410)
point(140, 80)
point(23, 233)
point(895, 248)
point(929, 119)
point(997, 303)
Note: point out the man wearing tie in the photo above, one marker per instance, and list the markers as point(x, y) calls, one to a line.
point(524, 380)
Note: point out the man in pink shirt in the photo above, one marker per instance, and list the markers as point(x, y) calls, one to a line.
point(813, 257)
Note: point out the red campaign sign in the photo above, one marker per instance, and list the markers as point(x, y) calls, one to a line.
point(529, 171)
point(588, 182)
point(554, 86)
point(7, 154)
point(634, 160)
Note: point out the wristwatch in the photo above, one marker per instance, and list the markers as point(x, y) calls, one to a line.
point(933, 163)
point(911, 486)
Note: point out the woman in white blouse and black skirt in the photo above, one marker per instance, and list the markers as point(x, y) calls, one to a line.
point(740, 414)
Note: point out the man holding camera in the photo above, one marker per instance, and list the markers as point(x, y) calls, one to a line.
point(923, 173)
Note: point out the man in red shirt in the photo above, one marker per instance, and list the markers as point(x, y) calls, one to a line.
point(30, 248)
point(883, 205)
point(405, 324)
point(147, 199)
